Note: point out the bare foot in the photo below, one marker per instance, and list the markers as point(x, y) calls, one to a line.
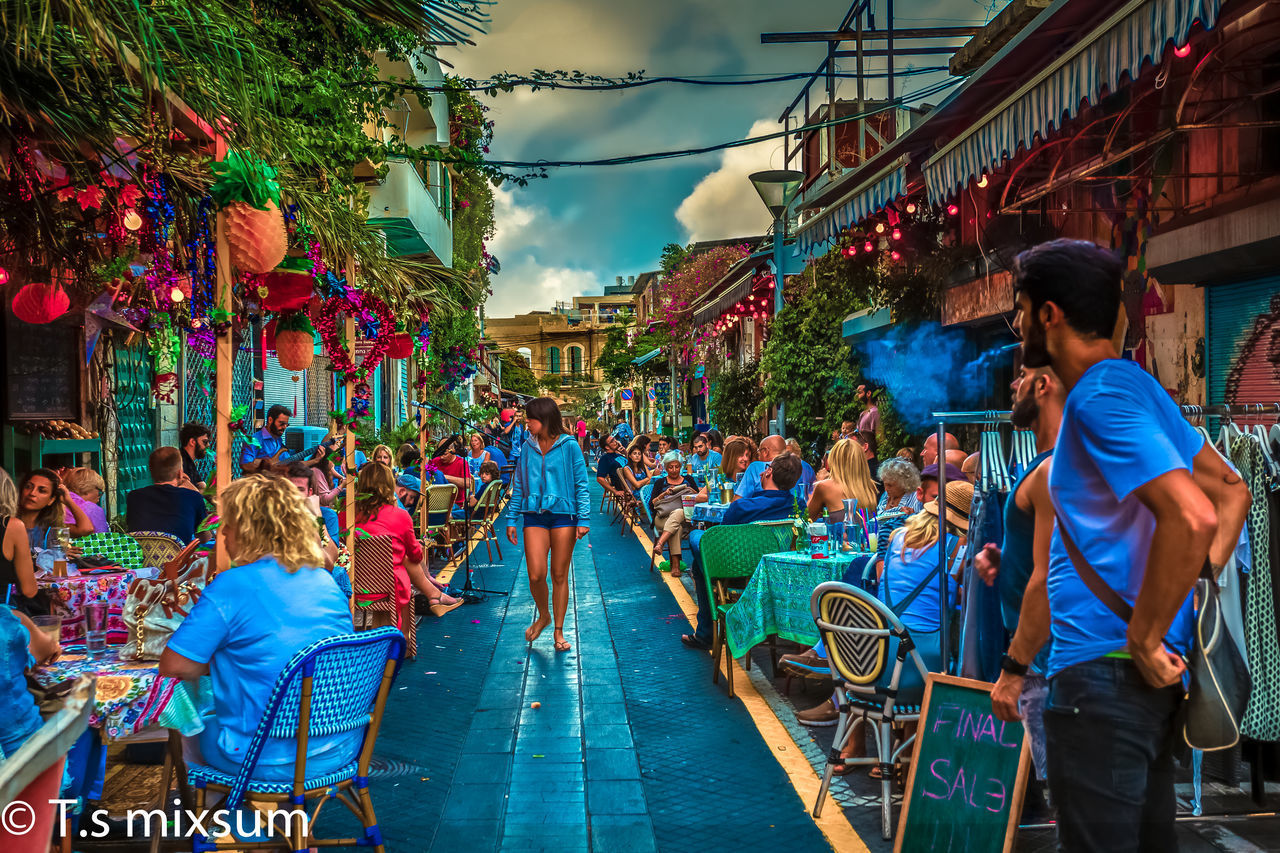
point(562, 645)
point(533, 631)
point(447, 599)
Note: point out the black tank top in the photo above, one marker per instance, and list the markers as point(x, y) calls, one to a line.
point(8, 571)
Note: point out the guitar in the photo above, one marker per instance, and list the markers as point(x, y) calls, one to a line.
point(273, 462)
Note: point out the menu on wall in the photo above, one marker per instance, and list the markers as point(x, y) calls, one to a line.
point(42, 370)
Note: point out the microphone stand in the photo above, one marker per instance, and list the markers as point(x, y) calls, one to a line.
point(470, 594)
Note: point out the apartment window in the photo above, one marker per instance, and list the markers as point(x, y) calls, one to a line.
point(553, 360)
point(575, 360)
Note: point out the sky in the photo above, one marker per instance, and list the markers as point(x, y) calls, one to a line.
point(575, 231)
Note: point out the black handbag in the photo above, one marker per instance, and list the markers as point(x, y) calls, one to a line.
point(1220, 681)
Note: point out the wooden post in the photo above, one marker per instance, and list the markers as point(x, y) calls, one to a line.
point(350, 505)
point(222, 367)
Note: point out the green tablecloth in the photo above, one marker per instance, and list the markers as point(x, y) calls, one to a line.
point(776, 599)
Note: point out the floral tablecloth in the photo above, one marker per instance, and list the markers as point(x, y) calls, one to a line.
point(776, 599)
point(70, 595)
point(130, 695)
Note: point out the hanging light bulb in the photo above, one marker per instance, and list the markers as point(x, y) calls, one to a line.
point(176, 294)
point(897, 234)
point(4, 276)
point(911, 207)
point(897, 256)
point(982, 182)
point(879, 227)
point(953, 210)
point(132, 220)
point(1182, 52)
point(868, 246)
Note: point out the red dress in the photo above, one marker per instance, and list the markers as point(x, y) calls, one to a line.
point(457, 468)
point(394, 522)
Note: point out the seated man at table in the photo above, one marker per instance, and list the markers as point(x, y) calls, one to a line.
point(773, 502)
point(770, 448)
point(165, 506)
point(703, 458)
point(607, 468)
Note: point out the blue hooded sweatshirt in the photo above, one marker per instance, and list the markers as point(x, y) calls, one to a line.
point(556, 482)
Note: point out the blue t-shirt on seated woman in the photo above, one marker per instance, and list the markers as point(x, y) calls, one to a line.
point(904, 569)
point(247, 625)
point(1120, 430)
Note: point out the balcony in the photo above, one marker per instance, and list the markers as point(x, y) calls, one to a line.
point(409, 214)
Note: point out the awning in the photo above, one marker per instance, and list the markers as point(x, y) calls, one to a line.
point(1134, 34)
point(742, 275)
point(867, 198)
point(647, 357)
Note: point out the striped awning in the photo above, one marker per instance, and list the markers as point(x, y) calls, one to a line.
point(647, 357)
point(867, 198)
point(1119, 46)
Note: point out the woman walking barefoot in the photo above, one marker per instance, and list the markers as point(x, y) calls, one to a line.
point(549, 490)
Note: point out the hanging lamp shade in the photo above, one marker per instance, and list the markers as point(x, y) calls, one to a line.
point(295, 349)
point(40, 303)
point(290, 286)
point(777, 187)
point(257, 237)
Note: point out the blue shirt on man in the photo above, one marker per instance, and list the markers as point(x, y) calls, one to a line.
point(764, 505)
point(750, 482)
point(701, 465)
point(263, 444)
point(1120, 430)
point(608, 466)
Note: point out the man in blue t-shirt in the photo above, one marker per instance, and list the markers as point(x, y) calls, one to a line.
point(1135, 490)
point(623, 431)
point(772, 503)
point(703, 457)
point(607, 468)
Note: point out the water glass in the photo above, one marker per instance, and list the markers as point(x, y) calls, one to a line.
point(48, 624)
point(95, 627)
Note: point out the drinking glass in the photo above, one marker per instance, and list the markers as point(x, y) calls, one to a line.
point(95, 627)
point(51, 625)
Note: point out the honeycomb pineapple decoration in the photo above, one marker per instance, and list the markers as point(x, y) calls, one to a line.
point(249, 196)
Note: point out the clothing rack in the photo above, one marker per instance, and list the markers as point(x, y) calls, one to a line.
point(989, 416)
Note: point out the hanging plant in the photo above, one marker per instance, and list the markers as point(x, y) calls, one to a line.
point(40, 303)
point(360, 303)
point(295, 340)
point(249, 195)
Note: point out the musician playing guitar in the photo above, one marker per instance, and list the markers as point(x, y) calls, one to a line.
point(265, 450)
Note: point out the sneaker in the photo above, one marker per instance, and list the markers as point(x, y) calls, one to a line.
point(823, 715)
point(808, 663)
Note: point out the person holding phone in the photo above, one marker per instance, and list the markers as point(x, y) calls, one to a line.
point(549, 492)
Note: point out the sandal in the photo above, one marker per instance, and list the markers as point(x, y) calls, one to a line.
point(439, 609)
point(562, 645)
point(694, 643)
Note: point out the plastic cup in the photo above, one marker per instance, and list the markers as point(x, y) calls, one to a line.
point(51, 625)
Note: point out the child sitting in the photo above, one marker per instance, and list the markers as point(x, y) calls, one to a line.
point(489, 473)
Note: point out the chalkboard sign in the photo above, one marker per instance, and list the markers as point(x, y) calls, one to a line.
point(42, 370)
point(964, 793)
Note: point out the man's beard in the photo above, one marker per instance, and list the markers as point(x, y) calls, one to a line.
point(1035, 353)
point(1025, 413)
point(200, 452)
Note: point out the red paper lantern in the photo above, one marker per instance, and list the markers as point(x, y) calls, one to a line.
point(40, 303)
point(401, 345)
point(287, 290)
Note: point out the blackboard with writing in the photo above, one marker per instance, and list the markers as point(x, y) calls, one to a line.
point(964, 792)
point(42, 370)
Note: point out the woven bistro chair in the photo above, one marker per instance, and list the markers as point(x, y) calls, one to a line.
point(120, 548)
point(339, 684)
point(730, 554)
point(485, 516)
point(439, 533)
point(375, 590)
point(868, 648)
point(158, 548)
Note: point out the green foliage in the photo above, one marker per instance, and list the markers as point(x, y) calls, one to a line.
point(616, 359)
point(550, 382)
point(735, 399)
point(516, 374)
point(369, 438)
point(673, 255)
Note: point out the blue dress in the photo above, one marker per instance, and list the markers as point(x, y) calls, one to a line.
point(17, 706)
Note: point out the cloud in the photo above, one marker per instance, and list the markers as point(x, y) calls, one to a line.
point(724, 204)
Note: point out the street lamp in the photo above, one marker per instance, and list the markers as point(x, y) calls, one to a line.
point(777, 189)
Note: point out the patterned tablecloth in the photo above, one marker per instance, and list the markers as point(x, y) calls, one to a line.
point(130, 695)
point(709, 513)
point(776, 599)
point(70, 594)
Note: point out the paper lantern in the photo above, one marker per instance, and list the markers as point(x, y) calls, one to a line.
point(257, 237)
point(401, 345)
point(40, 303)
point(295, 349)
point(288, 290)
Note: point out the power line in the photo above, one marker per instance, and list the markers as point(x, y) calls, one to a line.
point(606, 84)
point(631, 159)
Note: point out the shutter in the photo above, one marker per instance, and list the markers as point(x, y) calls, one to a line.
point(278, 388)
point(404, 391)
point(135, 418)
point(1242, 331)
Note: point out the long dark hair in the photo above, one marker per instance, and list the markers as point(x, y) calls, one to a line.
point(54, 513)
point(545, 411)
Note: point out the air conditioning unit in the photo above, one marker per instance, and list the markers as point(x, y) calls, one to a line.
point(299, 438)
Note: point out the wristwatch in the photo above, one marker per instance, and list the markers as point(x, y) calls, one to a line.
point(1012, 667)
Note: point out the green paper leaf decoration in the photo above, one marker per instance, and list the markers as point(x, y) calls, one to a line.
point(244, 178)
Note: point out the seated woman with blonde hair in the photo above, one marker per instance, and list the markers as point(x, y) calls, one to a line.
point(850, 480)
point(276, 600)
point(85, 487)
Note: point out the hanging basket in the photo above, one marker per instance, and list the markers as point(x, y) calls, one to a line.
point(401, 345)
point(290, 286)
point(295, 349)
point(40, 303)
point(257, 237)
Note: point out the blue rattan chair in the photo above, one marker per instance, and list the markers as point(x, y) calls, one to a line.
point(339, 684)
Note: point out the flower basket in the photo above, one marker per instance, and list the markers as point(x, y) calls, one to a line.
point(401, 345)
point(40, 303)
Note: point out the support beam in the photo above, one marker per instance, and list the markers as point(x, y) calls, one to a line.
point(897, 51)
point(222, 374)
point(876, 35)
point(349, 505)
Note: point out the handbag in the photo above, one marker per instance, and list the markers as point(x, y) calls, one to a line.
point(1220, 680)
point(671, 500)
point(153, 609)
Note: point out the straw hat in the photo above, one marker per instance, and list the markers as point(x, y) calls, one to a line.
point(959, 502)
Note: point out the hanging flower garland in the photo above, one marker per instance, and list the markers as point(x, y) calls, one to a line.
point(368, 308)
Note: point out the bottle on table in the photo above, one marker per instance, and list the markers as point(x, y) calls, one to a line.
point(818, 538)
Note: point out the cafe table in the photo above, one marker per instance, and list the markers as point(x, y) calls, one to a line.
point(775, 601)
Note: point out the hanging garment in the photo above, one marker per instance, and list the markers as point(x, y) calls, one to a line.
point(983, 639)
point(1262, 639)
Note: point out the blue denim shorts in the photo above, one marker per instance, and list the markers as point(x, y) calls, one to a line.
point(549, 520)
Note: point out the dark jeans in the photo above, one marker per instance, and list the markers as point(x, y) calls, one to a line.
point(1111, 740)
point(706, 622)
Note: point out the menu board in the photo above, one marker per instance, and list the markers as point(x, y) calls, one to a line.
point(965, 789)
point(42, 370)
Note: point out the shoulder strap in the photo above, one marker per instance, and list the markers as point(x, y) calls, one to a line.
point(902, 606)
point(1100, 588)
